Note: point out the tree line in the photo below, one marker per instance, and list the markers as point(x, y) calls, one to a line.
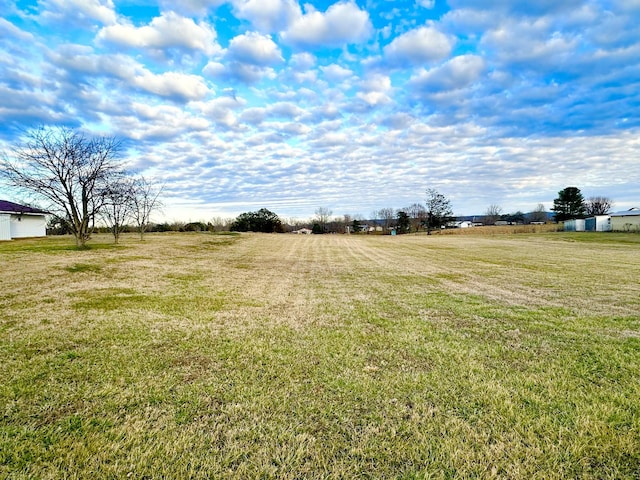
point(434, 214)
point(86, 186)
point(82, 180)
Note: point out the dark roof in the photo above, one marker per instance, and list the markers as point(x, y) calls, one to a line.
point(11, 207)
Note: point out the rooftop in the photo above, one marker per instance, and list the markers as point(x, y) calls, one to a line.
point(10, 207)
point(632, 211)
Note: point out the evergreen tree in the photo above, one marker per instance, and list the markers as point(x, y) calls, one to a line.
point(569, 204)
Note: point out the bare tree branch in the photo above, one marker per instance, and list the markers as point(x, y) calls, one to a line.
point(146, 199)
point(598, 205)
point(67, 169)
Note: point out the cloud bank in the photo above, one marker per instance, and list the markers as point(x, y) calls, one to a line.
point(349, 105)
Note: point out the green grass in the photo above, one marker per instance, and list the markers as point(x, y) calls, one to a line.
point(276, 356)
point(601, 237)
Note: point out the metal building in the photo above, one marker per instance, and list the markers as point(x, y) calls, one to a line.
point(576, 225)
point(598, 223)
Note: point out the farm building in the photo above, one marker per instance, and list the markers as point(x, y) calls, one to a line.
point(598, 223)
point(460, 224)
point(627, 221)
point(576, 225)
point(20, 221)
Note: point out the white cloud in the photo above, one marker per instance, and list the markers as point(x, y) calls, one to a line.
point(142, 121)
point(531, 99)
point(268, 15)
point(248, 59)
point(9, 30)
point(343, 23)
point(375, 90)
point(191, 7)
point(237, 71)
point(254, 115)
point(81, 60)
point(285, 109)
point(426, 3)
point(220, 110)
point(537, 8)
point(419, 46)
point(531, 43)
point(301, 68)
point(170, 30)
point(336, 72)
point(172, 84)
point(456, 73)
point(302, 61)
point(214, 69)
point(255, 49)
point(79, 11)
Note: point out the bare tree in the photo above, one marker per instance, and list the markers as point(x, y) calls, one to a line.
point(118, 205)
point(322, 217)
point(145, 200)
point(598, 205)
point(417, 213)
point(388, 216)
point(539, 214)
point(66, 168)
point(492, 214)
point(221, 224)
point(345, 224)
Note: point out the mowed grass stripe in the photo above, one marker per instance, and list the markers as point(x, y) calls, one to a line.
point(279, 356)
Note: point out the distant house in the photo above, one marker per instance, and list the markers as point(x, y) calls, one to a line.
point(20, 221)
point(303, 231)
point(626, 221)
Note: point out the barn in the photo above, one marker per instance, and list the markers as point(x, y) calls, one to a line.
point(20, 221)
point(626, 221)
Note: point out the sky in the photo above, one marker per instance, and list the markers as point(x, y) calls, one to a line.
point(352, 106)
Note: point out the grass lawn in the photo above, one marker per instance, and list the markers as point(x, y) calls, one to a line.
point(284, 356)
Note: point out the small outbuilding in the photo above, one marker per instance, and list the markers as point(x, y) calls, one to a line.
point(574, 225)
point(20, 221)
point(598, 223)
point(626, 221)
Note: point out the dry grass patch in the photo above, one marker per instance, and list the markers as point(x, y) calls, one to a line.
point(277, 356)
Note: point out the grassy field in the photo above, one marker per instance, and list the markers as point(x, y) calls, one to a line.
point(283, 356)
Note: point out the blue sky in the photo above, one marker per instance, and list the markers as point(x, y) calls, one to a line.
point(351, 105)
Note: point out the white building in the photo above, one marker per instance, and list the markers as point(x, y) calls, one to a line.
point(20, 221)
point(626, 221)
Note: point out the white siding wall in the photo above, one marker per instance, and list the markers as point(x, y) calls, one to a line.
point(628, 223)
point(603, 223)
point(28, 226)
point(5, 227)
